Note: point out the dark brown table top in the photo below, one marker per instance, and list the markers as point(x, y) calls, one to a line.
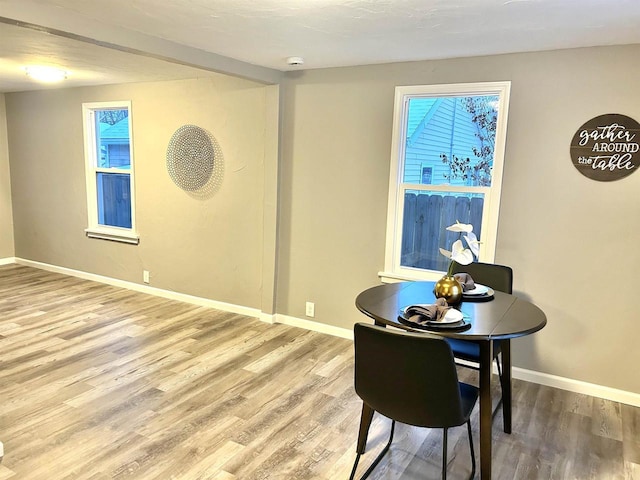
point(506, 316)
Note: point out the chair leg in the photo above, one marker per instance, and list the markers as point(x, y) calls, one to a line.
point(500, 377)
point(365, 423)
point(378, 458)
point(473, 455)
point(499, 367)
point(444, 453)
point(355, 466)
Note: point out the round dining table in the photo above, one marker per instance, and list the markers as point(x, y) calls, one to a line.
point(498, 316)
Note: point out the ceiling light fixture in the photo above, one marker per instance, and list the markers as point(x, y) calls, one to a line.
point(46, 74)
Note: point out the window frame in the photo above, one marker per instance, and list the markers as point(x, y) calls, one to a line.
point(393, 270)
point(94, 228)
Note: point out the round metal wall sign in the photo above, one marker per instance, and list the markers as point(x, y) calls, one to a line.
point(191, 157)
point(606, 147)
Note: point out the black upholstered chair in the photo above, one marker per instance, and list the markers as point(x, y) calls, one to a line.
point(500, 278)
point(410, 378)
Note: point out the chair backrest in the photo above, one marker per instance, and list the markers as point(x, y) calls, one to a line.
point(498, 277)
point(408, 377)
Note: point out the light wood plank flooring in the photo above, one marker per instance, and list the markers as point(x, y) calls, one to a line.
point(98, 382)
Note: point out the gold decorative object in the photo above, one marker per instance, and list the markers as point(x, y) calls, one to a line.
point(448, 288)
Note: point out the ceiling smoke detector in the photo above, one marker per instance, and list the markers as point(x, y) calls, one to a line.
point(295, 61)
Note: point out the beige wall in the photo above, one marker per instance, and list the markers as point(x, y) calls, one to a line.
point(6, 216)
point(209, 247)
point(572, 241)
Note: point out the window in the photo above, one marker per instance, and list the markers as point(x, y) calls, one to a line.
point(109, 171)
point(446, 166)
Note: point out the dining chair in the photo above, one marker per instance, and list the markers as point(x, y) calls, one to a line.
point(411, 378)
point(500, 278)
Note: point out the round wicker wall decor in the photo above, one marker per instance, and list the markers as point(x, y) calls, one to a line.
point(191, 157)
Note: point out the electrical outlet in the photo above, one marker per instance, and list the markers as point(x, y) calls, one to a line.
point(311, 309)
point(145, 276)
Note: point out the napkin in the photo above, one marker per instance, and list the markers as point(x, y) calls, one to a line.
point(424, 314)
point(466, 281)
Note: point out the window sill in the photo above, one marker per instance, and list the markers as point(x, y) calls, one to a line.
point(122, 237)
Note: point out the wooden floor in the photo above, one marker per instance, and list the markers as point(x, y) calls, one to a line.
point(98, 382)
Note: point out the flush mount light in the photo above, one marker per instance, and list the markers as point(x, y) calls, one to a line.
point(46, 74)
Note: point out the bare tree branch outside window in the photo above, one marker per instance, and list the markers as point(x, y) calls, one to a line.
point(477, 170)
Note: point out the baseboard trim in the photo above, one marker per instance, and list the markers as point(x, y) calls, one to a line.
point(563, 383)
point(7, 261)
point(267, 318)
point(314, 326)
point(577, 386)
point(158, 292)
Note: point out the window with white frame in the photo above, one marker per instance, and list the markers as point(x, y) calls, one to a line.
point(109, 171)
point(454, 136)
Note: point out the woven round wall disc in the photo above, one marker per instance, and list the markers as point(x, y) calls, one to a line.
point(191, 157)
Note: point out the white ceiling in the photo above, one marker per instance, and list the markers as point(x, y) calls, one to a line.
point(88, 64)
point(253, 38)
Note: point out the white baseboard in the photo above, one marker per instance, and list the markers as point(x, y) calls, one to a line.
point(182, 297)
point(577, 386)
point(7, 261)
point(563, 383)
point(314, 326)
point(267, 318)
